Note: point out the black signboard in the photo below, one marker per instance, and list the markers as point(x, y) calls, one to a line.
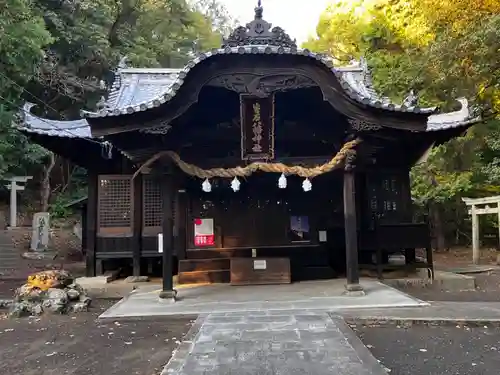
point(257, 127)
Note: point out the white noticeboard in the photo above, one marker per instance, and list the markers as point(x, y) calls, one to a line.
point(259, 264)
point(322, 236)
point(160, 242)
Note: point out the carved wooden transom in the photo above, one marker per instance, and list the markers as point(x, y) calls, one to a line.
point(261, 85)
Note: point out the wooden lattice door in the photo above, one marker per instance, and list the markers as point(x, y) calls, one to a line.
point(115, 206)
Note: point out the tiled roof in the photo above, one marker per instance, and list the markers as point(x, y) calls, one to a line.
point(70, 129)
point(135, 90)
point(135, 86)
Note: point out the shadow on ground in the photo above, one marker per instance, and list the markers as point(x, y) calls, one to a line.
point(80, 345)
point(431, 350)
point(487, 290)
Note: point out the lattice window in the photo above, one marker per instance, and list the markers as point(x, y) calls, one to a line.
point(115, 208)
point(385, 196)
point(152, 206)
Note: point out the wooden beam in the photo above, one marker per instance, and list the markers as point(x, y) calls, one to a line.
point(351, 233)
point(479, 201)
point(180, 224)
point(91, 225)
point(475, 237)
point(484, 211)
point(167, 194)
point(137, 226)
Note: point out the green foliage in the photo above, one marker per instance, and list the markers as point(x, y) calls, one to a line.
point(443, 50)
point(23, 37)
point(55, 54)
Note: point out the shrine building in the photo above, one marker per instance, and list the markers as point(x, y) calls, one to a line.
point(258, 162)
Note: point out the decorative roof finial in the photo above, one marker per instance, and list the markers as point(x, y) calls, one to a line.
point(259, 10)
point(259, 33)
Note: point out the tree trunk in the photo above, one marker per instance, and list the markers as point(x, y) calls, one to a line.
point(45, 183)
point(438, 228)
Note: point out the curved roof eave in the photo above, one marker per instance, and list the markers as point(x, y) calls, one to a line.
point(72, 129)
point(354, 91)
point(69, 129)
point(449, 120)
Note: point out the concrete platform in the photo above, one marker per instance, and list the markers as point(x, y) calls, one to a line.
point(324, 295)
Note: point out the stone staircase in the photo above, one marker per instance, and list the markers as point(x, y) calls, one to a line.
point(12, 265)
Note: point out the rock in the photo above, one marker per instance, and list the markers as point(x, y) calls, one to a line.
point(6, 303)
point(79, 307)
point(28, 293)
point(137, 279)
point(73, 294)
point(76, 287)
point(36, 309)
point(20, 309)
point(50, 279)
point(58, 295)
point(85, 300)
point(56, 301)
point(34, 300)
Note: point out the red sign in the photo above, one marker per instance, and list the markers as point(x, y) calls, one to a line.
point(208, 240)
point(204, 232)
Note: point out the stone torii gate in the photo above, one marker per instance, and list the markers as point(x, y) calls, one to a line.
point(14, 187)
point(481, 206)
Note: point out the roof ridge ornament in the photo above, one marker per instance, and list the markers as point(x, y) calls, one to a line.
point(259, 32)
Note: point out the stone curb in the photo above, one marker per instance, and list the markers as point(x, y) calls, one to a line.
point(106, 319)
point(408, 322)
point(179, 356)
point(366, 357)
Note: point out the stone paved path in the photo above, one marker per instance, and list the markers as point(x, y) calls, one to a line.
point(273, 343)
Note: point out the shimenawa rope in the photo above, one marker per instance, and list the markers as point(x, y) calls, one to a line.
point(246, 171)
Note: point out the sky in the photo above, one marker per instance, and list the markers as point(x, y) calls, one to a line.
point(298, 18)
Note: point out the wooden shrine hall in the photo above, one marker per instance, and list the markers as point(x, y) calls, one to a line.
point(258, 162)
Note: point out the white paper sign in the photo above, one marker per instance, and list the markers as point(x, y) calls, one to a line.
point(160, 242)
point(259, 264)
point(322, 236)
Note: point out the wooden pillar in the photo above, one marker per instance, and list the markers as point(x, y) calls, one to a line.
point(180, 224)
point(498, 215)
point(137, 225)
point(167, 195)
point(91, 224)
point(475, 235)
point(350, 226)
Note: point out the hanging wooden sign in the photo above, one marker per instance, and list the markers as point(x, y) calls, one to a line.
point(257, 127)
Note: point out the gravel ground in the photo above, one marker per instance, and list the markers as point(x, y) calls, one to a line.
point(487, 290)
point(80, 345)
point(432, 350)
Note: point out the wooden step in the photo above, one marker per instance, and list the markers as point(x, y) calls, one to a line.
point(215, 264)
point(222, 253)
point(204, 277)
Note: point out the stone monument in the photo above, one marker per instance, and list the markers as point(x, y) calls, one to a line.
point(40, 231)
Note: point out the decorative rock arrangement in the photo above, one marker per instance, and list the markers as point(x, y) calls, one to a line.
point(49, 292)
